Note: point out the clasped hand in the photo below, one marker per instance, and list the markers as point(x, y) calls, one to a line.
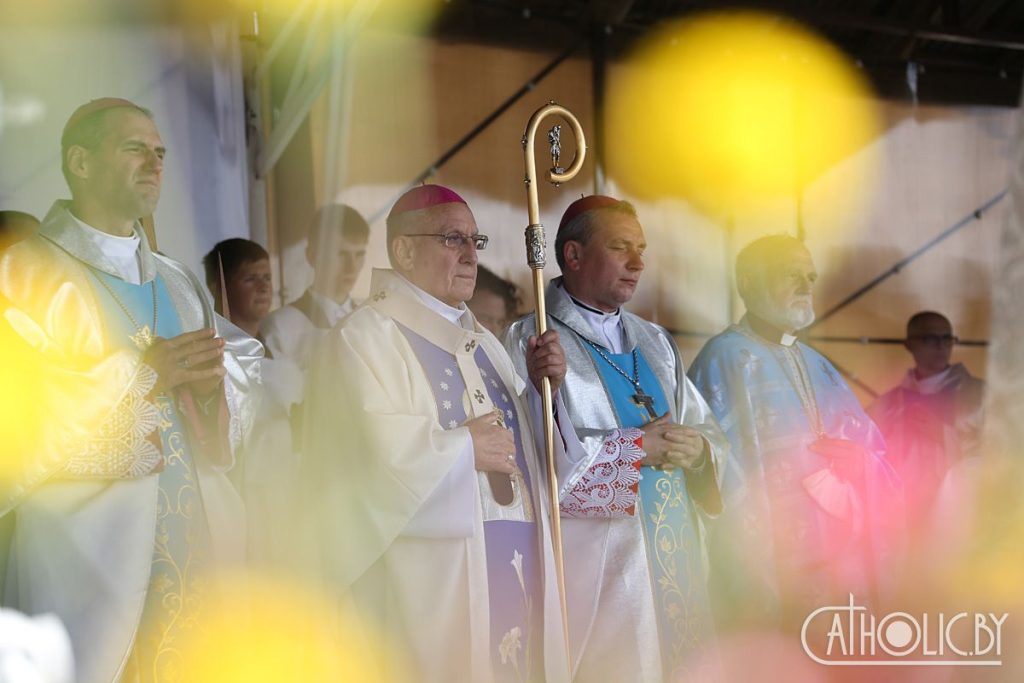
point(194, 358)
point(668, 444)
point(494, 447)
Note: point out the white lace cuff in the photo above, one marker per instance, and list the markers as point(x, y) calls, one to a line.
point(609, 488)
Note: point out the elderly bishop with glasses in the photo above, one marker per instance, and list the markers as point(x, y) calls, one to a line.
point(426, 468)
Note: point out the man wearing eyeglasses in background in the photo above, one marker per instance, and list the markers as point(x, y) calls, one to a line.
point(424, 469)
point(933, 419)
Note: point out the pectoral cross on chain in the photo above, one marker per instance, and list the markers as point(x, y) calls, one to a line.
point(642, 400)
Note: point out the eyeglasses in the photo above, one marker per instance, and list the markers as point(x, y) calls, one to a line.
point(937, 339)
point(456, 240)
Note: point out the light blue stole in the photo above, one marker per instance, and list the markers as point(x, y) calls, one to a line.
point(671, 535)
point(182, 541)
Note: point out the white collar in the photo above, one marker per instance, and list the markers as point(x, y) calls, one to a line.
point(102, 235)
point(929, 385)
point(607, 326)
point(121, 251)
point(785, 340)
point(449, 313)
point(332, 310)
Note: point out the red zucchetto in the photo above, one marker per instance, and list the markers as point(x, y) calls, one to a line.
point(584, 204)
point(424, 197)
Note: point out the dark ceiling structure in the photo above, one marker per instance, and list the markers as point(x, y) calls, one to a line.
point(957, 52)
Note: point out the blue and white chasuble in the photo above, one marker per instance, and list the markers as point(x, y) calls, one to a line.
point(114, 472)
point(180, 554)
point(634, 544)
point(793, 533)
point(672, 539)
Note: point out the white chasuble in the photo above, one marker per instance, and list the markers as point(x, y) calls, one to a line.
point(453, 569)
point(634, 536)
point(87, 503)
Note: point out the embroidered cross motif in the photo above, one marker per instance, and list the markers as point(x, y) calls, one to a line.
point(470, 345)
point(380, 296)
point(479, 396)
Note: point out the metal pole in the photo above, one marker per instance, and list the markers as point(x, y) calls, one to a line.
point(901, 264)
point(887, 340)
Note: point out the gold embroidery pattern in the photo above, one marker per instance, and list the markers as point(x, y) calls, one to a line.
point(121, 449)
point(688, 627)
point(176, 590)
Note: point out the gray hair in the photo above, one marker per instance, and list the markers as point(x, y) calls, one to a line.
point(757, 259)
point(396, 226)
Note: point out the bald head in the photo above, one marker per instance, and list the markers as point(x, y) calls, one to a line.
point(927, 321)
point(930, 341)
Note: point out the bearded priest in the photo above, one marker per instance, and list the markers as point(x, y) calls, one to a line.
point(811, 508)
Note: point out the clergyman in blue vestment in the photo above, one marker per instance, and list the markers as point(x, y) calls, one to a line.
point(812, 508)
point(642, 480)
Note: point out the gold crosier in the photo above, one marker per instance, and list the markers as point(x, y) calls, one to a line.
point(535, 257)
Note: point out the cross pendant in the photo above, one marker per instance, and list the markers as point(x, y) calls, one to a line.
point(643, 400)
